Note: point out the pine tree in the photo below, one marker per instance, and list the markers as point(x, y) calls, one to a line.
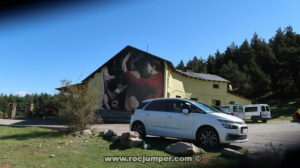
point(211, 65)
point(181, 65)
point(239, 80)
point(246, 56)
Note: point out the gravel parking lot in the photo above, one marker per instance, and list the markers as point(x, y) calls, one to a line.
point(279, 135)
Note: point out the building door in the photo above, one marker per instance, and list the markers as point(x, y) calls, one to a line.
point(216, 102)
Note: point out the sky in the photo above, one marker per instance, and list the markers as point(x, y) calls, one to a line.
point(40, 47)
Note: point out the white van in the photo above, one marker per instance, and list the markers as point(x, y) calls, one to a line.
point(233, 109)
point(257, 112)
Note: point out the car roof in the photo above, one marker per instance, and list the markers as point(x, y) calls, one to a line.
point(231, 105)
point(257, 105)
point(150, 100)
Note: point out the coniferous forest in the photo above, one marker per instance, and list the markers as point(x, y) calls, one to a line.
point(258, 67)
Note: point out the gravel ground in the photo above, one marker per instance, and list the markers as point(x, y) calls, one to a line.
point(278, 135)
point(118, 128)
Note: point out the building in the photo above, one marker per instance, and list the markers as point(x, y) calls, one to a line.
point(133, 75)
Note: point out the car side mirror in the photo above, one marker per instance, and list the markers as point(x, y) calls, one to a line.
point(185, 111)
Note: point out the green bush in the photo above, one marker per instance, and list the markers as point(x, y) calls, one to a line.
point(76, 106)
point(1, 114)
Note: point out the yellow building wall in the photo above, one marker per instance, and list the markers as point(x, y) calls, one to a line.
point(176, 84)
point(237, 99)
point(186, 87)
point(95, 83)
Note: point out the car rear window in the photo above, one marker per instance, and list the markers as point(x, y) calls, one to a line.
point(158, 106)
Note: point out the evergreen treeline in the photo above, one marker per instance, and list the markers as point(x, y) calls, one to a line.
point(256, 67)
point(43, 103)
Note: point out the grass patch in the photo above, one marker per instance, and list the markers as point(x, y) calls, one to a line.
point(32, 147)
point(283, 109)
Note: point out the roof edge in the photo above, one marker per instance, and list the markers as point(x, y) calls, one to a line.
point(128, 47)
point(239, 96)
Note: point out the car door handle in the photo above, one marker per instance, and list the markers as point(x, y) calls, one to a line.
point(169, 116)
point(147, 115)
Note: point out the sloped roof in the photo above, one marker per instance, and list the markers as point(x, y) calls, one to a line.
point(204, 76)
point(129, 48)
point(124, 51)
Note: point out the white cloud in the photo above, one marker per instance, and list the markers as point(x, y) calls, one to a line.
point(21, 93)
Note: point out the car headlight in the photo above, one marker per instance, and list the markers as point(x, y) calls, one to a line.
point(231, 122)
point(228, 124)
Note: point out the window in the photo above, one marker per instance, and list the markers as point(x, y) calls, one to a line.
point(178, 96)
point(225, 109)
point(263, 108)
point(231, 102)
point(177, 106)
point(216, 86)
point(142, 105)
point(195, 99)
point(241, 109)
point(267, 108)
point(251, 109)
point(193, 109)
point(235, 109)
point(158, 106)
point(205, 108)
point(216, 102)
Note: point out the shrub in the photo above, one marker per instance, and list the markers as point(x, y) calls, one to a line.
point(76, 106)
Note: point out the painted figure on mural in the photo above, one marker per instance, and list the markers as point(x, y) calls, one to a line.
point(113, 89)
point(141, 88)
point(130, 79)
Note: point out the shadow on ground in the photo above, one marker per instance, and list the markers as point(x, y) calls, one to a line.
point(254, 122)
point(32, 135)
point(156, 143)
point(159, 143)
point(295, 121)
point(26, 122)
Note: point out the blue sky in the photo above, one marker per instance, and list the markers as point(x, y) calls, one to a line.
point(39, 50)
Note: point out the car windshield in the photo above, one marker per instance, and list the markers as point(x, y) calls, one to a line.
point(225, 109)
point(205, 107)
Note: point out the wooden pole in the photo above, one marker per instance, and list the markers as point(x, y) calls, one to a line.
point(13, 110)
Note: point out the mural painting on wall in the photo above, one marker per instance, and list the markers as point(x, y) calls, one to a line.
point(131, 78)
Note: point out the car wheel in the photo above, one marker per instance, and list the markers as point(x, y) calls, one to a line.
point(254, 119)
point(208, 138)
point(140, 128)
point(264, 121)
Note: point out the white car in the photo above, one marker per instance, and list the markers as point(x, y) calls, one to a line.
point(257, 112)
point(234, 109)
point(187, 119)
